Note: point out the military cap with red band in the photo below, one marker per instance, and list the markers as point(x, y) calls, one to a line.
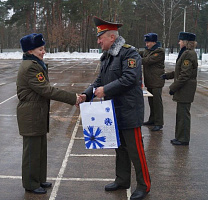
point(103, 26)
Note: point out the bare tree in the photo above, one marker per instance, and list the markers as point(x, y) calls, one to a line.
point(169, 12)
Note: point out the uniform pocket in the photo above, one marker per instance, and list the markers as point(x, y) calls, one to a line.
point(32, 118)
point(24, 118)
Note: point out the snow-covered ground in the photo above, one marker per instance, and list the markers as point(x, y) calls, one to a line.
point(203, 64)
point(67, 55)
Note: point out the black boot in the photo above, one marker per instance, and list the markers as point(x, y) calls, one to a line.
point(39, 190)
point(138, 195)
point(114, 186)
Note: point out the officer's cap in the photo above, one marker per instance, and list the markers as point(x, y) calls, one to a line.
point(150, 37)
point(187, 36)
point(32, 41)
point(103, 26)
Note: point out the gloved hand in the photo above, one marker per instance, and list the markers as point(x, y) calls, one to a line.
point(171, 92)
point(164, 76)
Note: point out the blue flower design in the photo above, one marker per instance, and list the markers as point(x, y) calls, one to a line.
point(107, 109)
point(92, 118)
point(108, 122)
point(92, 138)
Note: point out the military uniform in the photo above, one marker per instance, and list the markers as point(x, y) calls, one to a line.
point(120, 74)
point(184, 88)
point(34, 93)
point(153, 68)
point(120, 79)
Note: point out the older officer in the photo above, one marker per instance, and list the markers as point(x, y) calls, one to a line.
point(153, 67)
point(120, 80)
point(184, 86)
point(34, 93)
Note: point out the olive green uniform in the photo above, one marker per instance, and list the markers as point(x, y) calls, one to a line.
point(34, 93)
point(153, 68)
point(184, 88)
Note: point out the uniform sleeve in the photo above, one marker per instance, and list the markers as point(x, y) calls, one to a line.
point(152, 58)
point(89, 90)
point(131, 65)
point(184, 74)
point(40, 85)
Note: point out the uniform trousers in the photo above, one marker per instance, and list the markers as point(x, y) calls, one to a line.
point(131, 150)
point(34, 161)
point(183, 122)
point(156, 106)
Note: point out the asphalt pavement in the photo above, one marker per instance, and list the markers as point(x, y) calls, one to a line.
point(177, 172)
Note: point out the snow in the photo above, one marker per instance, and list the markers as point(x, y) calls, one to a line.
point(204, 62)
point(171, 58)
point(67, 55)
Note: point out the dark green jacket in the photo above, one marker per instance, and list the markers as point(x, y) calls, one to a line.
point(34, 93)
point(153, 66)
point(185, 77)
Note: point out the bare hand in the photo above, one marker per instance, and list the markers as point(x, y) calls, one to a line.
point(83, 97)
point(80, 98)
point(99, 92)
point(78, 101)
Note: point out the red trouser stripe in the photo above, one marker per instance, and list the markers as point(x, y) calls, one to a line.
point(140, 149)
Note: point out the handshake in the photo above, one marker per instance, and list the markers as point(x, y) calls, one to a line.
point(80, 99)
point(98, 92)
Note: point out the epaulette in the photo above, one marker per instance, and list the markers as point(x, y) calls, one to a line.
point(127, 46)
point(34, 61)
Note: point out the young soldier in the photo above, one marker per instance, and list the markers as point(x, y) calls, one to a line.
point(184, 86)
point(34, 93)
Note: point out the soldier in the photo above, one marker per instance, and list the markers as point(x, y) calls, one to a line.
point(120, 80)
point(153, 67)
point(34, 93)
point(184, 86)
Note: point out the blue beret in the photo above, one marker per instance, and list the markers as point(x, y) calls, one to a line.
point(150, 37)
point(187, 36)
point(32, 41)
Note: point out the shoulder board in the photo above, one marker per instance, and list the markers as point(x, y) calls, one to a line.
point(34, 61)
point(127, 46)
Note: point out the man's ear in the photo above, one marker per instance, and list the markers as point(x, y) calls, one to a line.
point(113, 37)
point(30, 51)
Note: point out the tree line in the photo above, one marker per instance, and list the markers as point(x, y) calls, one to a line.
point(67, 25)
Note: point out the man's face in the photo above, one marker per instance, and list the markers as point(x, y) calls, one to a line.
point(38, 52)
point(149, 45)
point(106, 40)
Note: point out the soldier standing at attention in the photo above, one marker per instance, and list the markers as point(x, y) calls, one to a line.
point(120, 79)
point(153, 67)
point(34, 93)
point(184, 86)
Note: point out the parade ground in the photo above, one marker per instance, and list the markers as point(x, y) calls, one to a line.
point(77, 173)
